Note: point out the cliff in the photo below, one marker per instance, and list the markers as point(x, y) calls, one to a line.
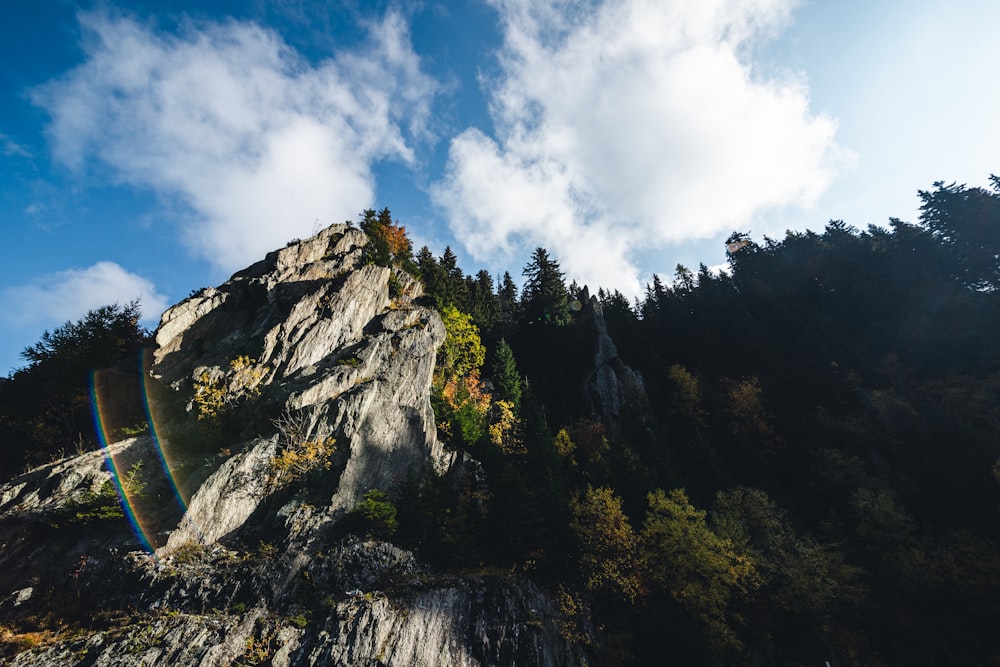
point(276, 402)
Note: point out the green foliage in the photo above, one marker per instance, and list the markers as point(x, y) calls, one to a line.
point(395, 287)
point(459, 399)
point(545, 298)
point(967, 223)
point(103, 505)
point(298, 620)
point(90, 506)
point(746, 407)
point(853, 376)
point(439, 517)
point(267, 551)
point(564, 444)
point(461, 409)
point(258, 649)
point(45, 407)
point(804, 584)
point(881, 521)
point(387, 241)
point(462, 351)
point(377, 515)
point(136, 430)
point(609, 558)
point(701, 571)
point(103, 336)
point(508, 305)
point(505, 375)
point(686, 396)
point(505, 428)
point(189, 553)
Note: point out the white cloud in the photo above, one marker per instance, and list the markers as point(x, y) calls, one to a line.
point(259, 143)
point(624, 125)
point(67, 295)
point(10, 148)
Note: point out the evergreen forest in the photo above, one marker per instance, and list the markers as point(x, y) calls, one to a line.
point(795, 461)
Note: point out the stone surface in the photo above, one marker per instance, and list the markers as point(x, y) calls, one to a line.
point(613, 387)
point(251, 563)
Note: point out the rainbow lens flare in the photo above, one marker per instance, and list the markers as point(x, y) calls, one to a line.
point(106, 408)
point(126, 496)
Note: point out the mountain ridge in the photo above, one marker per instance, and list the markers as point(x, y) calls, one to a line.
point(278, 401)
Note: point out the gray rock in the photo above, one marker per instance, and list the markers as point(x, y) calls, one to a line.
point(613, 387)
point(248, 566)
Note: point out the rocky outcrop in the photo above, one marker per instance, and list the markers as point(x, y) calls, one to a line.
point(327, 346)
point(277, 400)
point(403, 616)
point(612, 388)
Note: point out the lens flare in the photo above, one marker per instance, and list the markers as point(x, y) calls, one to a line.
point(98, 397)
point(156, 431)
point(163, 450)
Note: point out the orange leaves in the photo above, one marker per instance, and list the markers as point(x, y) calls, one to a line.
point(467, 390)
point(399, 244)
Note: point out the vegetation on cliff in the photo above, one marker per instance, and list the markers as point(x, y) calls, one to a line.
point(810, 475)
point(794, 461)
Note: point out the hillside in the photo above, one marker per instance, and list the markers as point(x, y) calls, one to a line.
point(349, 453)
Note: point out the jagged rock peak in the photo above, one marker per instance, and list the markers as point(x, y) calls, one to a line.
point(313, 345)
point(613, 387)
point(287, 311)
point(321, 335)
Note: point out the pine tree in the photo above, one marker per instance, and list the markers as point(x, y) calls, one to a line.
point(433, 276)
point(508, 308)
point(453, 289)
point(506, 377)
point(544, 299)
point(483, 302)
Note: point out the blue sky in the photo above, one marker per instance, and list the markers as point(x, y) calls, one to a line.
point(152, 148)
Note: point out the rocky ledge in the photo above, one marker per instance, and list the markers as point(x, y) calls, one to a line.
point(277, 401)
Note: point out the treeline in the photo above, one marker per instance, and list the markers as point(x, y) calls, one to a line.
point(46, 410)
point(810, 474)
point(807, 472)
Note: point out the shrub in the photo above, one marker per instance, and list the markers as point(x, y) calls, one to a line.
point(395, 287)
point(376, 515)
point(299, 620)
point(304, 446)
point(189, 553)
point(213, 396)
point(102, 505)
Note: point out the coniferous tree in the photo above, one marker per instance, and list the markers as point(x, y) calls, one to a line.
point(967, 223)
point(46, 407)
point(544, 299)
point(453, 289)
point(506, 377)
point(508, 306)
point(484, 306)
point(432, 275)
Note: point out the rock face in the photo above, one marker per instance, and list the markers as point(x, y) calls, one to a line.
point(277, 400)
point(612, 388)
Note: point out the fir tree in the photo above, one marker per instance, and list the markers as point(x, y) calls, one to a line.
point(544, 299)
point(506, 377)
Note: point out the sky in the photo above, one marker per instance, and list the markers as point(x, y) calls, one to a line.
point(149, 149)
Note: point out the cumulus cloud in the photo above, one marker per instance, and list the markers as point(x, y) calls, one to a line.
point(622, 125)
point(68, 295)
point(259, 143)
